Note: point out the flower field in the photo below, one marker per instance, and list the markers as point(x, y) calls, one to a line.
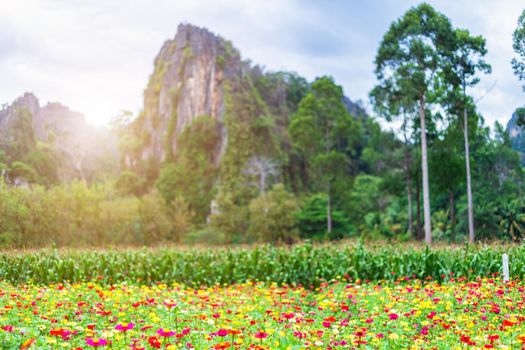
point(406, 313)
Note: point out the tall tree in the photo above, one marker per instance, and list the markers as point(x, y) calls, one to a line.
point(518, 63)
point(466, 61)
point(408, 62)
point(324, 132)
point(518, 44)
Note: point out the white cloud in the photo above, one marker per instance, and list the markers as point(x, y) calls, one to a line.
point(96, 55)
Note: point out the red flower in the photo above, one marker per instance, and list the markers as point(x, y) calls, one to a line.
point(493, 338)
point(154, 342)
point(466, 339)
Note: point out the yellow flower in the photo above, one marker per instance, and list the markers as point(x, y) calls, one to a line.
point(393, 336)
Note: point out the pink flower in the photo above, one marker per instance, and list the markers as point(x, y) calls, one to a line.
point(96, 342)
point(393, 316)
point(164, 332)
point(222, 332)
point(170, 303)
point(261, 335)
point(124, 327)
point(327, 324)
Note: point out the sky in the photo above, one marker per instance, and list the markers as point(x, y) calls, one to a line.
point(95, 56)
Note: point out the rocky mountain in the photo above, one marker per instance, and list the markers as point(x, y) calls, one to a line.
point(81, 150)
point(189, 80)
point(198, 73)
point(517, 136)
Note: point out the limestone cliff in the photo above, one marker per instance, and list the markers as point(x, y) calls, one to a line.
point(199, 73)
point(517, 136)
point(189, 80)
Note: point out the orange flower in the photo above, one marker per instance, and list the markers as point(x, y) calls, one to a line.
point(27, 344)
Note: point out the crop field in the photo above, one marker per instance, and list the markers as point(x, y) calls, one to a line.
point(305, 297)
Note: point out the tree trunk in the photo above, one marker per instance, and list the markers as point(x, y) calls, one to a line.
point(470, 206)
point(452, 210)
point(418, 210)
point(329, 213)
point(409, 194)
point(424, 169)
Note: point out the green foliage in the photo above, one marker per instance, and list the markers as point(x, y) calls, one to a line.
point(167, 183)
point(325, 133)
point(273, 216)
point(342, 166)
point(518, 44)
point(193, 172)
point(130, 183)
point(312, 220)
point(45, 163)
point(251, 132)
point(302, 264)
point(21, 172)
point(366, 197)
point(412, 51)
point(76, 214)
point(230, 219)
point(21, 138)
point(207, 236)
point(160, 223)
point(511, 217)
point(520, 117)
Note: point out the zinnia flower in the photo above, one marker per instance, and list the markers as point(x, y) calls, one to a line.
point(96, 342)
point(261, 335)
point(154, 342)
point(125, 327)
point(27, 343)
point(170, 303)
point(164, 332)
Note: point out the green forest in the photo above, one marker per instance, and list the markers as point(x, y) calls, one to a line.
point(288, 160)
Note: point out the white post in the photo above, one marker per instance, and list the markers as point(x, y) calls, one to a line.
point(505, 268)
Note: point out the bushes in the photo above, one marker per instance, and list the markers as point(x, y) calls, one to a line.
point(76, 214)
point(273, 216)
